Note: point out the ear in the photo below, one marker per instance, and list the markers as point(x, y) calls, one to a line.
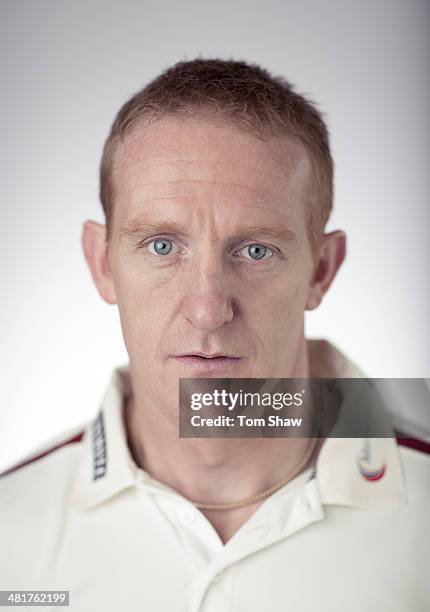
point(95, 251)
point(331, 256)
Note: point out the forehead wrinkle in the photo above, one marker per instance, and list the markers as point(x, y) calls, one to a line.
point(291, 155)
point(200, 181)
point(264, 208)
point(133, 150)
point(228, 163)
point(167, 197)
point(217, 172)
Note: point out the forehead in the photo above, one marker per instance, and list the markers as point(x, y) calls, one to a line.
point(180, 158)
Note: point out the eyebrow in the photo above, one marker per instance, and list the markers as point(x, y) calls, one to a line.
point(139, 227)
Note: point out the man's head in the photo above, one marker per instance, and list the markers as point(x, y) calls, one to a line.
point(216, 182)
point(242, 95)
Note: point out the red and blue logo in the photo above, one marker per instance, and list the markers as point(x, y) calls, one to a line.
point(372, 475)
point(370, 467)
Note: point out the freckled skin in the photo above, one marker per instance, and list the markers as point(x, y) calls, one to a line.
point(201, 185)
point(205, 295)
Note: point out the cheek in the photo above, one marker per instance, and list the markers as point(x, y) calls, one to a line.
point(283, 299)
point(280, 312)
point(145, 305)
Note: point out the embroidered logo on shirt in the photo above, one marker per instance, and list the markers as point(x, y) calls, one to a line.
point(99, 447)
point(371, 468)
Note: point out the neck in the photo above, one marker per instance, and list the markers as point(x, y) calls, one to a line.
point(213, 470)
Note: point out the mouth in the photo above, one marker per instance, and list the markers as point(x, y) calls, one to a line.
point(205, 363)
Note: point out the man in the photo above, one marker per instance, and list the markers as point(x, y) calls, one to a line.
point(216, 184)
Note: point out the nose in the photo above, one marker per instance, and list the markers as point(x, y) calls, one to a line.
point(208, 302)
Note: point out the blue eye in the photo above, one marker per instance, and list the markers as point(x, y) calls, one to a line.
point(162, 246)
point(256, 251)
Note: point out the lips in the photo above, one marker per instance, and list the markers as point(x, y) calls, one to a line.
point(205, 363)
point(208, 355)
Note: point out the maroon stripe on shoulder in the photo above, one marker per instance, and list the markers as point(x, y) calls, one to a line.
point(76, 438)
point(415, 443)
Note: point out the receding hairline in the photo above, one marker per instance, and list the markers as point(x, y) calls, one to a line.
point(290, 160)
point(296, 161)
point(247, 97)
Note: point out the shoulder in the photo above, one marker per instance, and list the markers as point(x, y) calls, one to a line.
point(416, 451)
point(46, 455)
point(420, 445)
point(39, 484)
point(69, 437)
point(34, 503)
point(415, 459)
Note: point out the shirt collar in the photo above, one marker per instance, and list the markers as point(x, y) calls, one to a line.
point(106, 466)
point(358, 472)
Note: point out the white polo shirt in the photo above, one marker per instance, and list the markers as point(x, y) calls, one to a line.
point(85, 518)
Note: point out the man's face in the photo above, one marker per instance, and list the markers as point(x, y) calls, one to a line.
point(209, 253)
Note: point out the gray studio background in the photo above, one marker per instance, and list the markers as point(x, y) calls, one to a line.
point(67, 66)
